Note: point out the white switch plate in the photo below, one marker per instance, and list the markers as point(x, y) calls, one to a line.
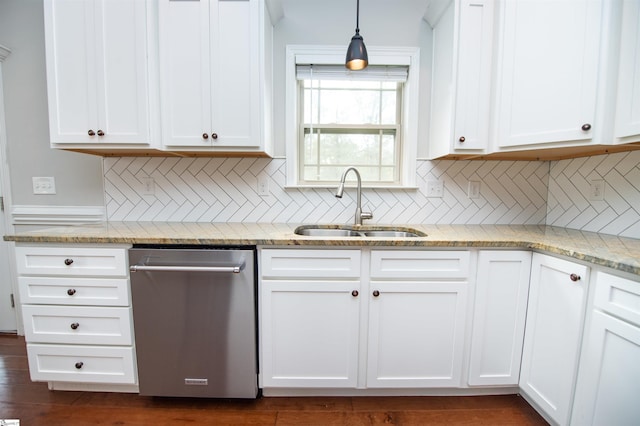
point(596, 190)
point(263, 186)
point(149, 186)
point(44, 185)
point(435, 189)
point(474, 189)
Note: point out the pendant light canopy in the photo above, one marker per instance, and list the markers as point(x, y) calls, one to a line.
point(357, 58)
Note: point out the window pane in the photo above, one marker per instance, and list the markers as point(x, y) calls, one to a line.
point(310, 148)
point(350, 107)
point(388, 150)
point(388, 114)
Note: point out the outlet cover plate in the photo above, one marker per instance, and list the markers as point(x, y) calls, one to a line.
point(44, 185)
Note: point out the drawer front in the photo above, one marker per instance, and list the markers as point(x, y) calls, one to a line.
point(310, 263)
point(85, 364)
point(618, 296)
point(77, 325)
point(72, 261)
point(74, 291)
point(394, 264)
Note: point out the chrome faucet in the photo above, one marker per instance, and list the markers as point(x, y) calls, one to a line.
point(360, 215)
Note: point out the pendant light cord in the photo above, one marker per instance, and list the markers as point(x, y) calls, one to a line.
point(357, 16)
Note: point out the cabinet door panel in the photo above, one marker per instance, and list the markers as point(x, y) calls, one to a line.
point(548, 71)
point(416, 334)
point(628, 111)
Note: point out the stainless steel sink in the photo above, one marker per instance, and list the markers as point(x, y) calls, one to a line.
point(347, 231)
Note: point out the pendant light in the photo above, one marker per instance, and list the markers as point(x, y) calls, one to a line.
point(357, 58)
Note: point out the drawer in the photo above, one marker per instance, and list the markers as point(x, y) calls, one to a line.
point(618, 296)
point(71, 261)
point(394, 264)
point(77, 325)
point(310, 263)
point(74, 291)
point(86, 364)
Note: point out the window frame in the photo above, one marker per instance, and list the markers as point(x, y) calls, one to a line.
point(331, 55)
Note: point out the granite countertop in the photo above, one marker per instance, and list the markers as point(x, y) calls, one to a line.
point(601, 249)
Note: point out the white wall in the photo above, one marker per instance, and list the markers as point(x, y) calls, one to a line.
point(78, 177)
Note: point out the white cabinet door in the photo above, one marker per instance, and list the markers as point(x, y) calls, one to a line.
point(553, 334)
point(500, 310)
point(309, 333)
point(628, 109)
point(416, 334)
point(548, 71)
point(210, 73)
point(97, 72)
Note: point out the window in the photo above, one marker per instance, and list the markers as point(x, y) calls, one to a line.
point(336, 118)
point(350, 118)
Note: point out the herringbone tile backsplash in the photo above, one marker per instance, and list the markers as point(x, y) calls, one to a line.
point(511, 192)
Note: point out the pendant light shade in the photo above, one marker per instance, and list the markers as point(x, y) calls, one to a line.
point(357, 58)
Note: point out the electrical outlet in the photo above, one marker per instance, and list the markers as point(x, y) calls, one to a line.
point(596, 190)
point(44, 185)
point(263, 186)
point(474, 189)
point(435, 189)
point(148, 186)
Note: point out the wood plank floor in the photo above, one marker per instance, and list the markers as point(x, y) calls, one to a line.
point(33, 404)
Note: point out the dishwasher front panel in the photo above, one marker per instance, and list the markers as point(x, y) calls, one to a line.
point(194, 313)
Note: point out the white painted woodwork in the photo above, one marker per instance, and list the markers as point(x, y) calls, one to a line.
point(553, 334)
point(211, 73)
point(46, 261)
point(609, 377)
point(628, 108)
point(92, 325)
point(461, 84)
point(548, 71)
point(500, 310)
point(97, 77)
point(416, 334)
point(100, 364)
point(309, 332)
point(398, 264)
point(302, 263)
point(74, 291)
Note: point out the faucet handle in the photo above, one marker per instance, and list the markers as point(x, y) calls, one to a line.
point(366, 215)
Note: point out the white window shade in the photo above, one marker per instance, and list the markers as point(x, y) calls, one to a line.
point(388, 73)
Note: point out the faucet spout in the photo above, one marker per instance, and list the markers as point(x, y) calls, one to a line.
point(360, 215)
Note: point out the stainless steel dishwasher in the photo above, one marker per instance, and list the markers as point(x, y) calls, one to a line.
point(194, 313)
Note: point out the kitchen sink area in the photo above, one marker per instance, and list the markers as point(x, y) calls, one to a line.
point(329, 231)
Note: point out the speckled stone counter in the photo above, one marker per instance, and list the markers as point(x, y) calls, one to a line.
point(606, 250)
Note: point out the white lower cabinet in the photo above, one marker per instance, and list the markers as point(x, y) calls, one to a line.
point(555, 317)
point(609, 378)
point(500, 311)
point(76, 308)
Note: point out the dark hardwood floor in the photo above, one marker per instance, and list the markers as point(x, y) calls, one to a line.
point(33, 404)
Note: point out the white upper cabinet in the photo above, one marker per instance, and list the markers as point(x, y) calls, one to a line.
point(547, 73)
point(461, 85)
point(628, 109)
point(98, 82)
point(214, 68)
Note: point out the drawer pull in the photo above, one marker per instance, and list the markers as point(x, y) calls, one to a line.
point(74, 325)
point(71, 291)
point(355, 293)
point(79, 365)
point(68, 262)
point(376, 293)
point(574, 277)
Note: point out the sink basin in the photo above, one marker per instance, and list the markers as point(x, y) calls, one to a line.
point(347, 231)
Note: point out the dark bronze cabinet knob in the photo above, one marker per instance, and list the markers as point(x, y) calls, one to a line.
point(205, 136)
point(355, 293)
point(376, 293)
point(574, 277)
point(74, 325)
point(71, 291)
point(68, 262)
point(586, 127)
point(214, 135)
point(100, 133)
point(79, 365)
point(462, 139)
point(91, 133)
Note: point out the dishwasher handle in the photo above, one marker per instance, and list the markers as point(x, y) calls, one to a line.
point(234, 269)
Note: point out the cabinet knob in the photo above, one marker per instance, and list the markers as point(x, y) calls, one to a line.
point(74, 325)
point(91, 133)
point(100, 133)
point(205, 136)
point(376, 293)
point(575, 277)
point(71, 291)
point(462, 139)
point(68, 262)
point(79, 365)
point(586, 127)
point(214, 135)
point(355, 293)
